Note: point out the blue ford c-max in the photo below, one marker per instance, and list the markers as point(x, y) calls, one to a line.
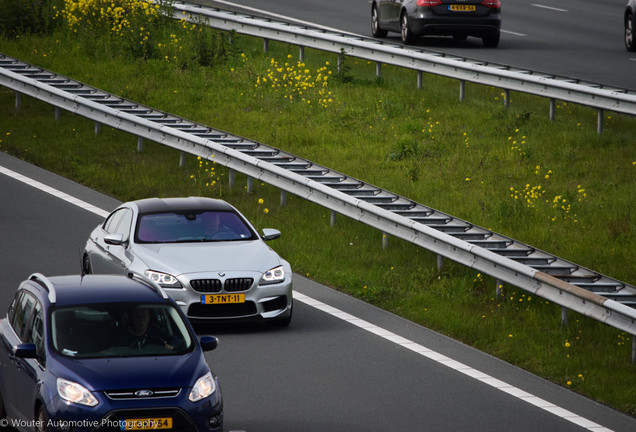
point(103, 353)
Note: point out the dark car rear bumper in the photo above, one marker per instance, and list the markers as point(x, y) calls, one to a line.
point(427, 24)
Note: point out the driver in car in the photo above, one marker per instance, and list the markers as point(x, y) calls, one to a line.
point(139, 332)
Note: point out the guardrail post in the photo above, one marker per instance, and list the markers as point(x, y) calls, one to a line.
point(564, 316)
point(140, 144)
point(58, 113)
point(98, 128)
point(440, 262)
point(506, 98)
point(250, 184)
point(419, 79)
point(633, 349)
point(301, 53)
point(462, 90)
point(332, 219)
point(599, 120)
point(230, 176)
point(339, 62)
point(378, 69)
point(498, 288)
point(552, 109)
point(265, 45)
point(182, 158)
point(18, 100)
point(385, 240)
point(283, 198)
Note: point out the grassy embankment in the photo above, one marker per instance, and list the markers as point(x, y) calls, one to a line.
point(555, 185)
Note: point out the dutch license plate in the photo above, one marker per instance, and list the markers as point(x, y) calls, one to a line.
point(222, 298)
point(462, 8)
point(146, 423)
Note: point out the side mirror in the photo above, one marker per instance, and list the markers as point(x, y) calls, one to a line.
point(270, 234)
point(25, 350)
point(209, 343)
point(114, 239)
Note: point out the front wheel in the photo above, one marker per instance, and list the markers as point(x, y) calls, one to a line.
point(630, 27)
point(42, 420)
point(282, 322)
point(405, 31)
point(86, 265)
point(376, 31)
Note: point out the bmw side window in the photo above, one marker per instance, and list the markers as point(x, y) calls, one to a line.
point(123, 227)
point(113, 220)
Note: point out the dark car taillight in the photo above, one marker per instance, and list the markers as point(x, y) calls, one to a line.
point(429, 3)
point(493, 4)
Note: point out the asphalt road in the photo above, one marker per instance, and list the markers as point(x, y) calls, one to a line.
point(342, 365)
point(580, 39)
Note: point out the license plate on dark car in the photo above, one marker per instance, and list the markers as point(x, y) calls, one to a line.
point(461, 8)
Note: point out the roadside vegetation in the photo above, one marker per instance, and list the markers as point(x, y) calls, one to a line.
point(555, 185)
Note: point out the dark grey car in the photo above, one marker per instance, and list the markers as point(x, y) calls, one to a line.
point(630, 25)
point(457, 18)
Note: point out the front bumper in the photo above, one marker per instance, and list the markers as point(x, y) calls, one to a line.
point(111, 415)
point(272, 301)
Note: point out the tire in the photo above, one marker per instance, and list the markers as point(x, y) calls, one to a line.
point(405, 30)
point(3, 411)
point(86, 265)
point(630, 28)
point(42, 420)
point(491, 41)
point(376, 31)
point(282, 322)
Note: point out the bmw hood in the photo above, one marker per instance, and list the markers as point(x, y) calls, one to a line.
point(181, 258)
point(117, 373)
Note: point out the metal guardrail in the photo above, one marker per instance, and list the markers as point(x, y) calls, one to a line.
point(562, 282)
point(553, 87)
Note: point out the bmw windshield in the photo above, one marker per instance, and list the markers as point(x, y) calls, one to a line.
point(192, 227)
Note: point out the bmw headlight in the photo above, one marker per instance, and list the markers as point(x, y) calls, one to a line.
point(164, 280)
point(203, 388)
point(273, 276)
point(76, 393)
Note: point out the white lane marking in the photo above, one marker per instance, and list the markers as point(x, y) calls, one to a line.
point(549, 7)
point(372, 328)
point(54, 192)
point(453, 364)
point(514, 33)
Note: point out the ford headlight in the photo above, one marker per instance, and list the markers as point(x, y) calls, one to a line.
point(273, 276)
point(164, 280)
point(203, 388)
point(76, 393)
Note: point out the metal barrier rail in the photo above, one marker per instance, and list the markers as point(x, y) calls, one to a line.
point(594, 95)
point(567, 284)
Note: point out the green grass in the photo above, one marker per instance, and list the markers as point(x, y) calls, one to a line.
point(459, 157)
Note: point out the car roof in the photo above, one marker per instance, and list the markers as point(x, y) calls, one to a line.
point(76, 289)
point(156, 205)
